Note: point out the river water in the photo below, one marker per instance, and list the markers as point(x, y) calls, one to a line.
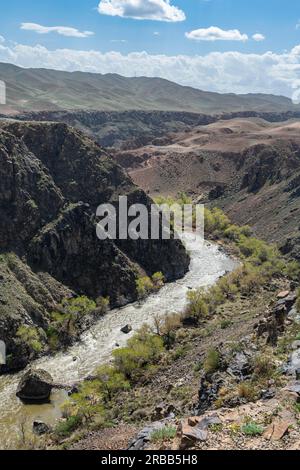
point(208, 263)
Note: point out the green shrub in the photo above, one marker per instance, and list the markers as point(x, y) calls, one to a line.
point(225, 324)
point(110, 382)
point(212, 361)
point(65, 428)
point(31, 337)
point(252, 429)
point(292, 270)
point(158, 280)
point(197, 304)
point(144, 286)
point(142, 350)
point(163, 434)
point(216, 222)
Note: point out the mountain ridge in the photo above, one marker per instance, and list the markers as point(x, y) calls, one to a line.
point(41, 89)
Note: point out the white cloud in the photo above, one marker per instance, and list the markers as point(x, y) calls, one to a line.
point(2, 40)
point(62, 30)
point(258, 37)
point(223, 72)
point(213, 33)
point(159, 10)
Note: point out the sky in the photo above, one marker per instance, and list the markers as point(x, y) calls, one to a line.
point(228, 46)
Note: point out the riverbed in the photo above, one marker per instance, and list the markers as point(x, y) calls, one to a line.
point(208, 263)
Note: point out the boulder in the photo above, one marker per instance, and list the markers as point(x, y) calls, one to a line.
point(35, 385)
point(277, 430)
point(195, 429)
point(126, 329)
point(39, 428)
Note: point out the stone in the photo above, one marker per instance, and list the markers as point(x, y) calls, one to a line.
point(35, 385)
point(240, 366)
point(295, 345)
point(189, 435)
point(293, 363)
point(283, 294)
point(294, 388)
point(126, 329)
point(277, 430)
point(39, 428)
point(268, 394)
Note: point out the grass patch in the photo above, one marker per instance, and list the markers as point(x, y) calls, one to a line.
point(163, 434)
point(212, 361)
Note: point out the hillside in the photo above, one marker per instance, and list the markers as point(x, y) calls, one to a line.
point(42, 89)
point(52, 178)
point(249, 167)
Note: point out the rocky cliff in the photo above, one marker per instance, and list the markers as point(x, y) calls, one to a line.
point(52, 178)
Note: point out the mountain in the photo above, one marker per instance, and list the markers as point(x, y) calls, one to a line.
point(41, 89)
point(52, 178)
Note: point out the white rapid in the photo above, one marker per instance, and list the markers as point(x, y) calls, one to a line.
point(208, 263)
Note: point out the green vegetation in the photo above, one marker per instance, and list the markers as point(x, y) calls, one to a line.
point(261, 263)
point(114, 390)
point(252, 429)
point(65, 320)
point(146, 285)
point(130, 365)
point(264, 367)
point(30, 336)
point(65, 428)
point(163, 434)
point(142, 350)
point(212, 361)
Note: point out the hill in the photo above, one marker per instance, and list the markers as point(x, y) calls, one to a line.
point(42, 89)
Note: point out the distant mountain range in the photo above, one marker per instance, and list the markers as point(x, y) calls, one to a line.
point(42, 89)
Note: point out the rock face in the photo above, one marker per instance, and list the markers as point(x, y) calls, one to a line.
point(35, 385)
point(52, 179)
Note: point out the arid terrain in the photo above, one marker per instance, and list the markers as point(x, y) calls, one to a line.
point(248, 166)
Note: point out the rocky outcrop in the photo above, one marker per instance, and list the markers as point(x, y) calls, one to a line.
point(274, 323)
point(35, 385)
point(52, 178)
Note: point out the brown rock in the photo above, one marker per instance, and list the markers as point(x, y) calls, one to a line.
point(189, 435)
point(277, 430)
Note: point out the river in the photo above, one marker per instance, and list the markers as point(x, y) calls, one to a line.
point(208, 263)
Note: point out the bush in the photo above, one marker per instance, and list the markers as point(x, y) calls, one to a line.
point(197, 304)
point(158, 280)
point(264, 368)
point(31, 337)
point(65, 428)
point(142, 350)
point(225, 324)
point(216, 222)
point(247, 390)
point(163, 434)
point(252, 429)
point(212, 361)
point(144, 286)
point(110, 382)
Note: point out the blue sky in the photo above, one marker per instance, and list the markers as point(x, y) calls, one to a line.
point(108, 37)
